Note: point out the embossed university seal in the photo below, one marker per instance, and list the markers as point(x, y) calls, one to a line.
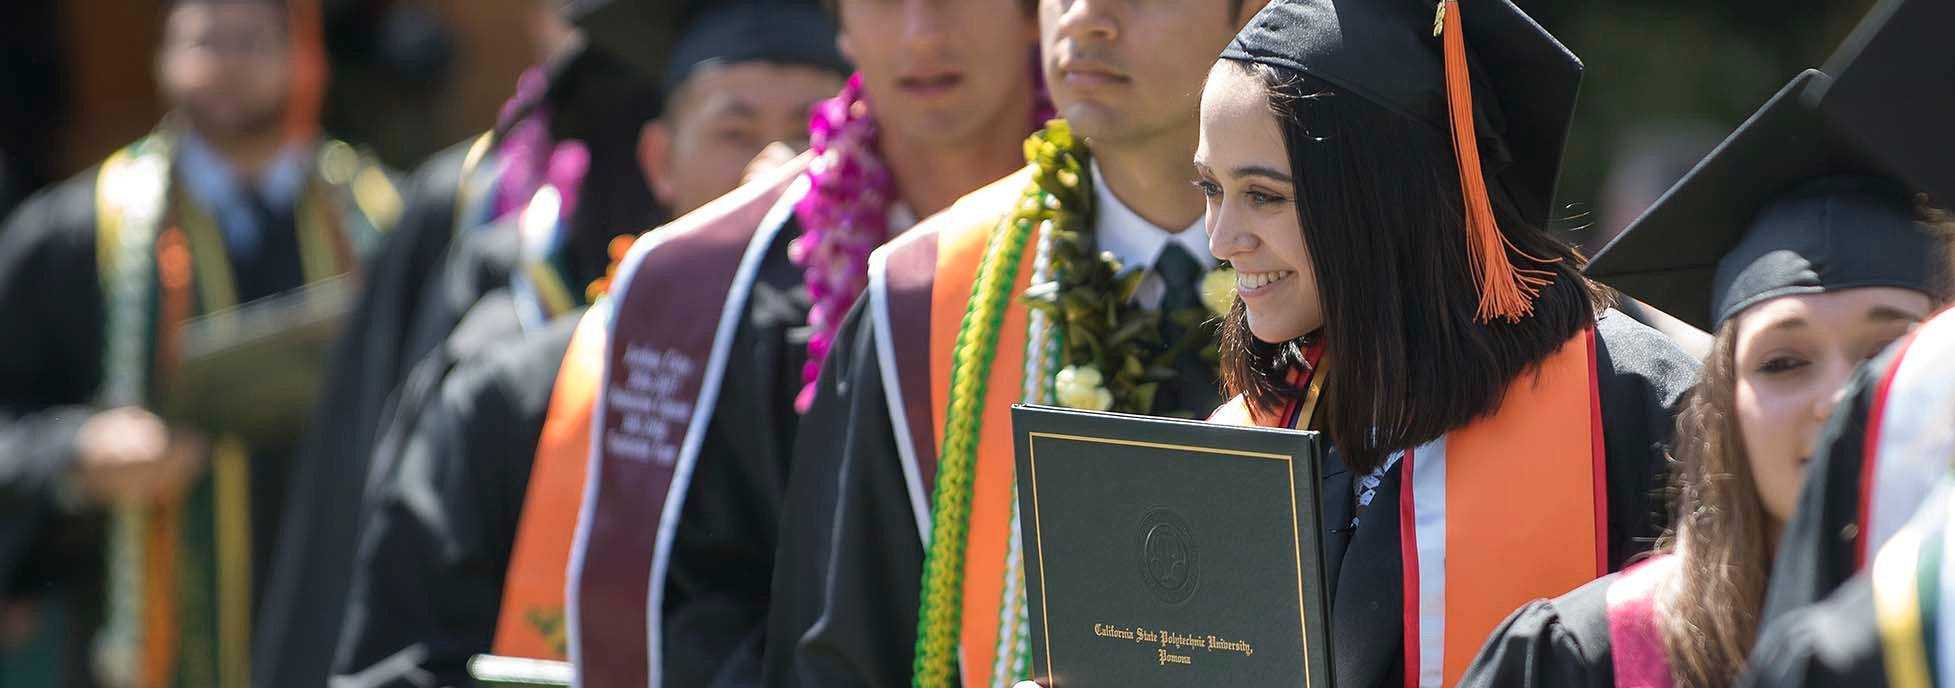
point(1170, 562)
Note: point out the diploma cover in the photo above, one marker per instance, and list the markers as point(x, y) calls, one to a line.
point(1170, 553)
point(255, 370)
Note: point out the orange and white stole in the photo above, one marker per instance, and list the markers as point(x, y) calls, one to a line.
point(1525, 484)
point(991, 628)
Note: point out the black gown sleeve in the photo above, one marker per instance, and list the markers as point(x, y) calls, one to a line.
point(487, 319)
point(1563, 642)
point(1642, 377)
point(478, 262)
point(1816, 553)
point(722, 560)
point(1833, 643)
point(306, 587)
point(428, 580)
point(848, 571)
point(51, 329)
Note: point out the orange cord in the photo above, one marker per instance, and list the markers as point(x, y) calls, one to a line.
point(1506, 292)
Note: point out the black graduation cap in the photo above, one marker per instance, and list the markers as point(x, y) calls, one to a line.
point(1786, 205)
point(640, 32)
point(1488, 75)
point(780, 31)
point(670, 38)
point(1893, 91)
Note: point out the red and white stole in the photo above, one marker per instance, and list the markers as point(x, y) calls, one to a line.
point(1523, 485)
point(1909, 441)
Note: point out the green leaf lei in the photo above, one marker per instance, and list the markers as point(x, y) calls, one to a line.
point(1090, 304)
point(1091, 296)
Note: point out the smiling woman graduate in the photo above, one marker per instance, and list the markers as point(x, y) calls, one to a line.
point(1383, 193)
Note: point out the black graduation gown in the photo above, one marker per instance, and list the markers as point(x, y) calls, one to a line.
point(469, 310)
point(51, 329)
point(48, 287)
point(717, 588)
point(52, 314)
point(1816, 551)
point(1565, 642)
point(478, 263)
point(467, 306)
point(307, 584)
point(10, 183)
point(850, 563)
point(1559, 642)
point(1833, 643)
point(434, 552)
point(429, 281)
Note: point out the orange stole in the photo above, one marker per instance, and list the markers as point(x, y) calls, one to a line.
point(960, 249)
point(531, 623)
point(1542, 449)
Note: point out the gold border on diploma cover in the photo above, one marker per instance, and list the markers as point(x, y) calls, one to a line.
point(1296, 538)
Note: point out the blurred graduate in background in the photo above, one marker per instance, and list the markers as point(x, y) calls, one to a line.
point(119, 288)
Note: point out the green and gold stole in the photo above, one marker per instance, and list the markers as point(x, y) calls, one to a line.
point(1908, 594)
point(180, 577)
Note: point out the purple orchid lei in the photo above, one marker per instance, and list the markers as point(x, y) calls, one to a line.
point(844, 217)
point(530, 158)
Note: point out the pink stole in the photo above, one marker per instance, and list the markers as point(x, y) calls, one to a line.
point(1636, 648)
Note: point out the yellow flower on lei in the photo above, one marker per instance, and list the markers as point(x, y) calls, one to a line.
point(1081, 387)
point(1218, 290)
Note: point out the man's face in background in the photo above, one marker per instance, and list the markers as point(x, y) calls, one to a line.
point(942, 73)
point(720, 118)
point(226, 67)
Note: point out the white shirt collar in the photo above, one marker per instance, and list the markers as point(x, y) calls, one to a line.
point(214, 183)
point(1133, 239)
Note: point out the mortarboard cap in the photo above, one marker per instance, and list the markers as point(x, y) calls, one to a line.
point(1785, 205)
point(1490, 77)
point(795, 32)
point(640, 32)
point(1892, 94)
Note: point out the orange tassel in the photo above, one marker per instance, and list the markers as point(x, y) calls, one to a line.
point(1506, 292)
point(310, 71)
